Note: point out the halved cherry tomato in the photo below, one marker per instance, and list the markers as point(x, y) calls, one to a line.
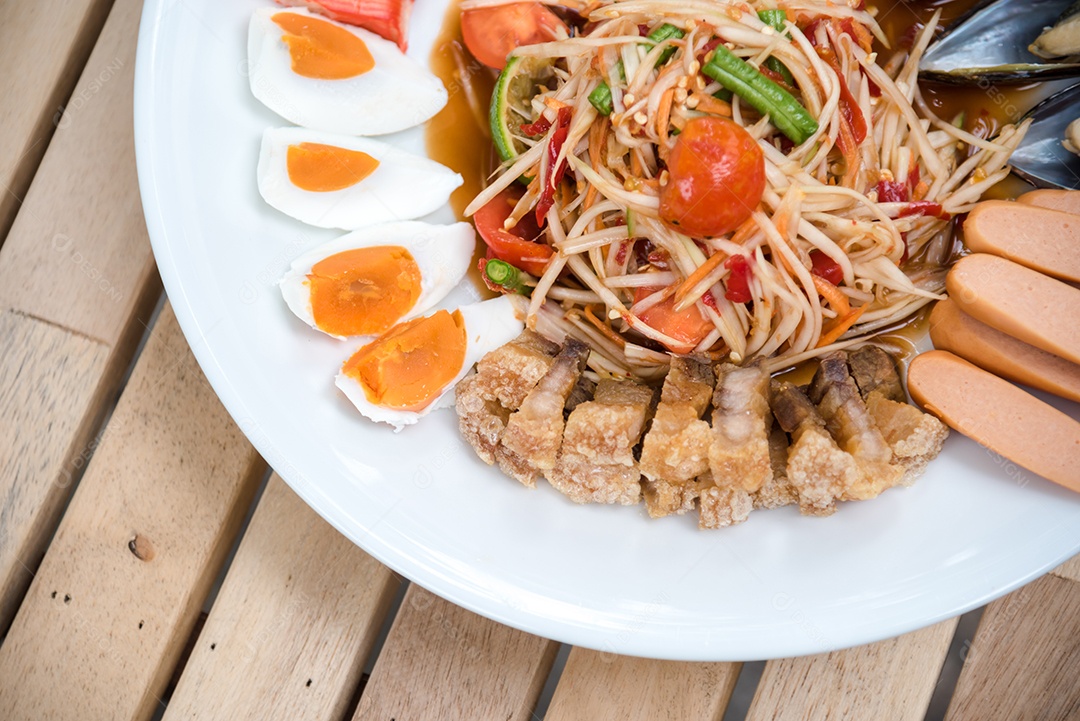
point(492, 33)
point(689, 326)
point(717, 177)
point(516, 246)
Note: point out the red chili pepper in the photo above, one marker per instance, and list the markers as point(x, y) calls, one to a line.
point(709, 300)
point(849, 107)
point(541, 126)
point(875, 91)
point(708, 48)
point(642, 30)
point(925, 208)
point(810, 31)
point(554, 174)
point(738, 283)
point(776, 78)
point(826, 268)
point(914, 177)
point(891, 191)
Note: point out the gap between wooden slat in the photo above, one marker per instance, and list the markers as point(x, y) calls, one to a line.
point(745, 688)
point(551, 683)
point(106, 617)
point(44, 46)
point(954, 662)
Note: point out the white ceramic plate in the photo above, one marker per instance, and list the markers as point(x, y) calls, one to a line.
point(604, 577)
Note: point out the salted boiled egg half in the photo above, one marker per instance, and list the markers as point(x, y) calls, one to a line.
point(409, 371)
point(364, 283)
point(340, 181)
point(330, 76)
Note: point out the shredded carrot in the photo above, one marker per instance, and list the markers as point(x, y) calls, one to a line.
point(843, 326)
point(713, 106)
point(920, 191)
point(663, 116)
point(710, 264)
point(832, 295)
point(598, 135)
point(635, 164)
point(604, 328)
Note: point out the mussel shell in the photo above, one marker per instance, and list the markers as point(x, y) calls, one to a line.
point(990, 45)
point(1042, 159)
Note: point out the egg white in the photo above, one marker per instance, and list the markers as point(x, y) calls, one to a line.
point(403, 186)
point(396, 94)
point(489, 324)
point(443, 254)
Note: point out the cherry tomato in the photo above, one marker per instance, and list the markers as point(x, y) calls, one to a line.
point(825, 267)
point(513, 246)
point(491, 33)
point(688, 326)
point(717, 177)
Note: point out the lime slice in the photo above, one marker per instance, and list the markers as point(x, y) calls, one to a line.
point(511, 101)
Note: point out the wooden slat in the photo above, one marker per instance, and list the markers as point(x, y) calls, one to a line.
point(78, 255)
point(1024, 659)
point(891, 679)
point(118, 593)
point(76, 282)
point(296, 618)
point(1069, 569)
point(598, 686)
point(443, 662)
point(43, 46)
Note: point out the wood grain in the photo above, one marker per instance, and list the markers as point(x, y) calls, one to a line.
point(76, 283)
point(296, 618)
point(43, 46)
point(1070, 569)
point(147, 530)
point(597, 686)
point(77, 255)
point(891, 679)
point(44, 372)
point(443, 662)
point(1023, 661)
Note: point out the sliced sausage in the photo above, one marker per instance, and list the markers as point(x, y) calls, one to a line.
point(998, 415)
point(953, 330)
point(1067, 201)
point(1021, 302)
point(1045, 240)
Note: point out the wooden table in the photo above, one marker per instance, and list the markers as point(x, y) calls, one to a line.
point(150, 566)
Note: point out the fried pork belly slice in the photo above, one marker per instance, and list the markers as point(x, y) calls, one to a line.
point(722, 507)
point(875, 371)
point(778, 491)
point(850, 423)
point(739, 451)
point(596, 463)
point(916, 438)
point(503, 378)
point(676, 448)
point(817, 468)
point(530, 443)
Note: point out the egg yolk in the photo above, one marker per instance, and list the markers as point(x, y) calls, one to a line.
point(322, 168)
point(411, 365)
point(363, 291)
point(322, 50)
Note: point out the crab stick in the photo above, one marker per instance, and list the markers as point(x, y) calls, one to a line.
point(1020, 302)
point(998, 415)
point(1044, 240)
point(954, 330)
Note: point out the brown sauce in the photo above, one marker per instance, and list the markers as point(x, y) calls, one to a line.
point(458, 137)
